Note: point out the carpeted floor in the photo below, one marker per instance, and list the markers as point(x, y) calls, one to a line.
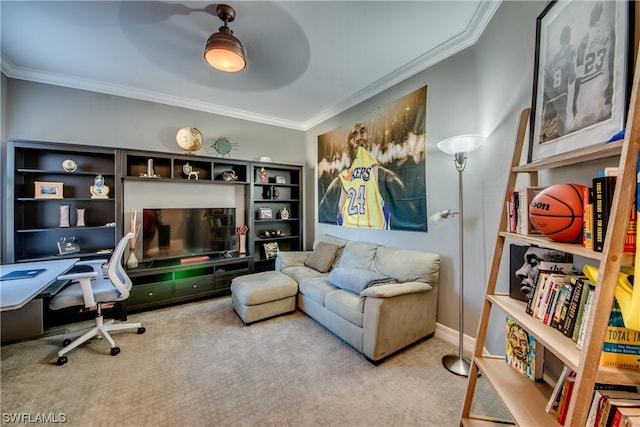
point(198, 365)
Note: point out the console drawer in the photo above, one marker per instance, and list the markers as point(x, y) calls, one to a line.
point(151, 293)
point(194, 285)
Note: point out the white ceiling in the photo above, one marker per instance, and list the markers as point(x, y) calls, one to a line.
point(307, 60)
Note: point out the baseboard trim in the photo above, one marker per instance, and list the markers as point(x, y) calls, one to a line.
point(451, 336)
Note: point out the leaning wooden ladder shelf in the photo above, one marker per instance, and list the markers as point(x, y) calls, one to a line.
point(524, 399)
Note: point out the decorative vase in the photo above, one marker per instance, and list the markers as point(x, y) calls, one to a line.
point(132, 261)
point(64, 215)
point(80, 217)
point(243, 244)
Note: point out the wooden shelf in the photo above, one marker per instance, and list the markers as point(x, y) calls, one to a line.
point(524, 399)
point(564, 347)
point(572, 248)
point(598, 152)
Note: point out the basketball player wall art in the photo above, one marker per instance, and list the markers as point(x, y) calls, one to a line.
point(580, 88)
point(371, 173)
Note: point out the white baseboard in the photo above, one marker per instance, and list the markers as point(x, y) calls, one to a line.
point(451, 336)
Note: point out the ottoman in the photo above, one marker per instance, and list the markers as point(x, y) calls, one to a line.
point(262, 295)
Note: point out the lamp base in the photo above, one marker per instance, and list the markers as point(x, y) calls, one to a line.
point(456, 365)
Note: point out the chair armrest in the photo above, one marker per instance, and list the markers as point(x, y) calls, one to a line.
point(95, 264)
point(85, 284)
point(394, 289)
point(289, 259)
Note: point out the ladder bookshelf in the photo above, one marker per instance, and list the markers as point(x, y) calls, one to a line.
point(526, 400)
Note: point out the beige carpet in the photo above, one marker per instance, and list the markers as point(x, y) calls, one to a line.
point(198, 365)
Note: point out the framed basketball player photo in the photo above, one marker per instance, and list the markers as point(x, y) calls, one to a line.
point(580, 85)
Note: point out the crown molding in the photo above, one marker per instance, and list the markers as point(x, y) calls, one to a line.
point(466, 38)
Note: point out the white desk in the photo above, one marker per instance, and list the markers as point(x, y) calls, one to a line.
point(16, 293)
point(21, 314)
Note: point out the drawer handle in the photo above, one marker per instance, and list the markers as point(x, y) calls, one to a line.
point(150, 294)
point(195, 285)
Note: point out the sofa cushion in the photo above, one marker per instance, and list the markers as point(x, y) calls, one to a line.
point(356, 279)
point(316, 289)
point(408, 266)
point(347, 305)
point(321, 259)
point(334, 241)
point(358, 255)
point(300, 273)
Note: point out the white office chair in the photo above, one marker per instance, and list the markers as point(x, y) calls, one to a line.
point(93, 289)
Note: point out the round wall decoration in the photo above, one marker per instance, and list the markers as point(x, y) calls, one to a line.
point(221, 147)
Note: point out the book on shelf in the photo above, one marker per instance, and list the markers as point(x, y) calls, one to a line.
point(562, 304)
point(599, 401)
point(621, 348)
point(623, 413)
point(556, 394)
point(565, 399)
point(587, 217)
point(574, 305)
point(632, 422)
point(610, 407)
point(584, 321)
point(523, 352)
point(525, 262)
point(603, 188)
point(525, 196)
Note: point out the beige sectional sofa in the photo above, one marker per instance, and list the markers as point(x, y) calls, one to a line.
point(377, 299)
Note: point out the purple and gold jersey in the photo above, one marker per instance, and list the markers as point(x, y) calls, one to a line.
point(364, 207)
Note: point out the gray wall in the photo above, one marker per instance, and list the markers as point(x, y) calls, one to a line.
point(480, 90)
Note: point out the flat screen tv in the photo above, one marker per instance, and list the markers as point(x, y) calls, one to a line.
point(184, 232)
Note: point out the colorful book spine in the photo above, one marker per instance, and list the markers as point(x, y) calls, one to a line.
point(603, 188)
point(574, 306)
point(587, 216)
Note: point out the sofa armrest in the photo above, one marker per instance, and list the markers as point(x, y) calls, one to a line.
point(289, 259)
point(394, 289)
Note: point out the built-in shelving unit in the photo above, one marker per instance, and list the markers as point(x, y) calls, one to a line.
point(36, 218)
point(276, 206)
point(524, 399)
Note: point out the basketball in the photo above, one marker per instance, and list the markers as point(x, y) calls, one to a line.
point(557, 212)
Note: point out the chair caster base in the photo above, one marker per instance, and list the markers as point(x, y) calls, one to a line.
point(115, 351)
point(141, 330)
point(66, 342)
point(62, 360)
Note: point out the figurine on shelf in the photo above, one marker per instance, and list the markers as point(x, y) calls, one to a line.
point(99, 190)
point(263, 175)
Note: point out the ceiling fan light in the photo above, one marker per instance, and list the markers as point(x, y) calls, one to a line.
point(225, 52)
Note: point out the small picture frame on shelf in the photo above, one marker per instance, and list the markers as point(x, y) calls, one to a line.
point(265, 213)
point(271, 249)
point(48, 190)
point(68, 247)
point(281, 179)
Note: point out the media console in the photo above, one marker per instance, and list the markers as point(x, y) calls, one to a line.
point(166, 282)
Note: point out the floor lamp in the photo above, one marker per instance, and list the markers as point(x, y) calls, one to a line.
point(459, 147)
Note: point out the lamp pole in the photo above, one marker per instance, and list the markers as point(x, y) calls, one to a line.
point(457, 364)
point(459, 147)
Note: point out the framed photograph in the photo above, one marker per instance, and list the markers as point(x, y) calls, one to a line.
point(48, 190)
point(265, 213)
point(280, 179)
point(580, 86)
point(271, 249)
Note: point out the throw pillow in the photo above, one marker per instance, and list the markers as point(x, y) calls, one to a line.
point(322, 257)
point(356, 279)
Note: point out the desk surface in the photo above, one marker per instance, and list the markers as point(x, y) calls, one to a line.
point(16, 293)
